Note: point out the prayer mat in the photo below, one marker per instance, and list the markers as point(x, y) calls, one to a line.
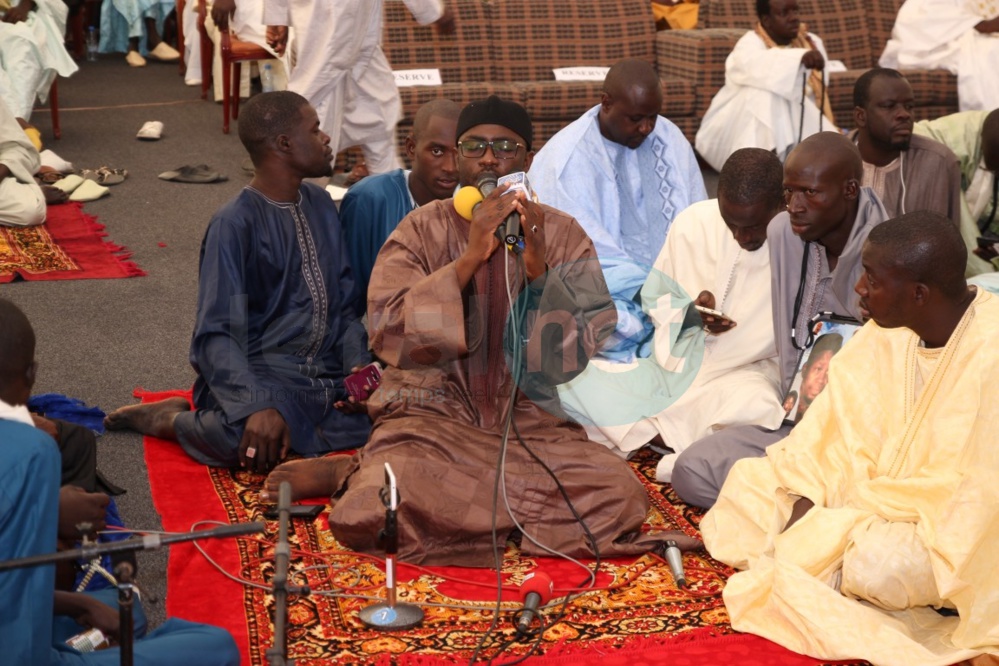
point(636, 615)
point(70, 245)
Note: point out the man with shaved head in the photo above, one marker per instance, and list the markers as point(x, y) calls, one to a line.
point(715, 254)
point(374, 207)
point(624, 172)
point(814, 262)
point(873, 524)
point(276, 331)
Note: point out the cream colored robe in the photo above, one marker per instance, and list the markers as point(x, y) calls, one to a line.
point(906, 507)
point(737, 380)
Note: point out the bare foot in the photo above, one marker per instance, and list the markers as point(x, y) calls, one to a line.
point(54, 196)
point(154, 418)
point(309, 477)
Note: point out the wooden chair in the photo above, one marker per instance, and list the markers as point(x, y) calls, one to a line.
point(179, 13)
point(234, 52)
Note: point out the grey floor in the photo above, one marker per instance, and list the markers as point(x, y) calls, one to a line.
point(100, 339)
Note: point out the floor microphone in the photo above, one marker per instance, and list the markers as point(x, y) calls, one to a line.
point(536, 590)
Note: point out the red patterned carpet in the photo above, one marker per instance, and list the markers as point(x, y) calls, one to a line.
point(635, 616)
point(70, 245)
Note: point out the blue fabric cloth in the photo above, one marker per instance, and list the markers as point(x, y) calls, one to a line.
point(370, 212)
point(275, 326)
point(74, 410)
point(626, 200)
point(174, 643)
point(29, 506)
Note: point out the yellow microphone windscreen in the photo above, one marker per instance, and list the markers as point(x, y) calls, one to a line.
point(466, 199)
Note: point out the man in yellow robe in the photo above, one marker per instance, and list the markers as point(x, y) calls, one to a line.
point(882, 506)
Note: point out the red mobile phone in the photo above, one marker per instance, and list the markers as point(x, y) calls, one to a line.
point(370, 376)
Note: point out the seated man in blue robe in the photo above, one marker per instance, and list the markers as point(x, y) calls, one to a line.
point(374, 207)
point(276, 332)
point(37, 619)
point(624, 172)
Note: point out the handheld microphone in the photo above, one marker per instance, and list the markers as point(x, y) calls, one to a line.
point(675, 561)
point(468, 199)
point(536, 590)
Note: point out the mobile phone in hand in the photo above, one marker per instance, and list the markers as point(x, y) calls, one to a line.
point(713, 313)
point(370, 376)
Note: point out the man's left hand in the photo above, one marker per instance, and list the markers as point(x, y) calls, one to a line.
point(19, 12)
point(266, 440)
point(532, 224)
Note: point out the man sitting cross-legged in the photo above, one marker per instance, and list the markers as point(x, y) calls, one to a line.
point(374, 207)
point(275, 332)
point(814, 263)
point(716, 253)
point(880, 506)
point(438, 313)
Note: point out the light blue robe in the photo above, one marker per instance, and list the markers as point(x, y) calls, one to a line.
point(582, 173)
point(122, 19)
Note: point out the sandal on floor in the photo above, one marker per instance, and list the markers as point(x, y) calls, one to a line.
point(69, 183)
point(88, 191)
point(201, 173)
point(151, 131)
point(105, 175)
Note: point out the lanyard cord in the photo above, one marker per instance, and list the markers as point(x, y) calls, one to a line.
point(797, 302)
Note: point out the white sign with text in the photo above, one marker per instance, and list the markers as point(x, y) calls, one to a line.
point(580, 73)
point(417, 77)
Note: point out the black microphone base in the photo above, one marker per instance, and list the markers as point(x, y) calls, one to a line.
point(383, 617)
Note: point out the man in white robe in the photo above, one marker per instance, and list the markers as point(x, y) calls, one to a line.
point(22, 202)
point(624, 172)
point(340, 68)
point(880, 506)
point(32, 52)
point(716, 249)
point(761, 103)
point(243, 21)
point(961, 36)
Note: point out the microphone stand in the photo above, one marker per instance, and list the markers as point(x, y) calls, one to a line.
point(389, 615)
point(126, 589)
point(277, 654)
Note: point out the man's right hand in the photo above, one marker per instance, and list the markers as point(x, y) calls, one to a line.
point(222, 11)
point(266, 441)
point(813, 60)
point(77, 506)
point(711, 323)
point(482, 241)
point(277, 38)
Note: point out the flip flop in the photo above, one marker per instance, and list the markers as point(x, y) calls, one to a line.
point(151, 131)
point(105, 175)
point(247, 167)
point(69, 183)
point(201, 173)
point(88, 191)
